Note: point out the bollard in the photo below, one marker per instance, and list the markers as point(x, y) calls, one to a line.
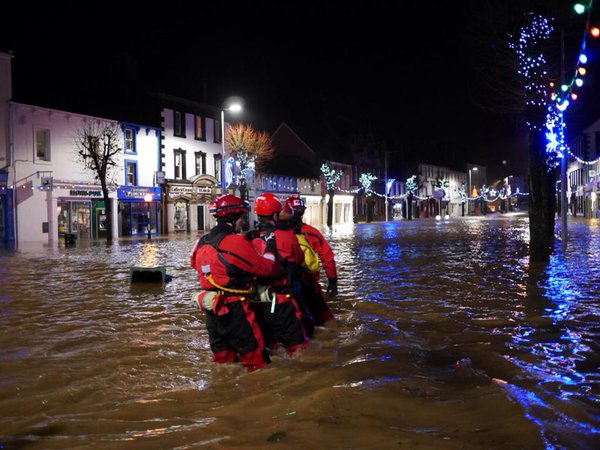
point(147, 274)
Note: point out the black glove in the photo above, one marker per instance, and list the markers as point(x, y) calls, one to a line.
point(332, 288)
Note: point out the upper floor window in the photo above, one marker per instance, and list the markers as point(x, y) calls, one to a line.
point(129, 140)
point(131, 173)
point(218, 167)
point(42, 145)
point(179, 123)
point(179, 172)
point(199, 128)
point(200, 163)
point(217, 131)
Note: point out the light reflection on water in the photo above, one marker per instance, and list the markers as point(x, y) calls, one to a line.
point(90, 360)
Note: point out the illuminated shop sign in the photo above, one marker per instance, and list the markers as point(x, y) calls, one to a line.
point(79, 193)
point(176, 191)
point(137, 192)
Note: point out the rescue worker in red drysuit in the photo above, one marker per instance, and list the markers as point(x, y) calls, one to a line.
point(227, 264)
point(282, 320)
point(311, 289)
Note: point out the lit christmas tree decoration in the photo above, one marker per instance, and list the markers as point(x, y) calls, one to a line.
point(366, 180)
point(331, 176)
point(411, 184)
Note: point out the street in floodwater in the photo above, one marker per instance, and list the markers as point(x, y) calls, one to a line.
point(446, 338)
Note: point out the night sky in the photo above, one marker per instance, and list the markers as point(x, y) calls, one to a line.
point(408, 76)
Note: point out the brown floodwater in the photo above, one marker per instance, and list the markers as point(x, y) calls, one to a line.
point(446, 338)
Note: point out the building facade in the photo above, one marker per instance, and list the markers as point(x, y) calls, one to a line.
point(191, 163)
point(56, 195)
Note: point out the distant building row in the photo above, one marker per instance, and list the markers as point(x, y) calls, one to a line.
point(171, 171)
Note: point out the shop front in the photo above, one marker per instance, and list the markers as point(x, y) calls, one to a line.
point(80, 214)
point(139, 210)
point(188, 204)
point(6, 215)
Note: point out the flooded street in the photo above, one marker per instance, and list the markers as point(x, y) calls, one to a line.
point(446, 338)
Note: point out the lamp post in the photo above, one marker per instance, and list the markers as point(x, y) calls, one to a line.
point(473, 169)
point(148, 199)
point(234, 107)
point(386, 187)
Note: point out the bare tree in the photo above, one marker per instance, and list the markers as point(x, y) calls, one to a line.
point(97, 148)
point(250, 149)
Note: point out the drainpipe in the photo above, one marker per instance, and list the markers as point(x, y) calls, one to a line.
point(13, 163)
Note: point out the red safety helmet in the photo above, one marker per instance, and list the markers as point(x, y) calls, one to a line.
point(294, 205)
point(229, 204)
point(267, 204)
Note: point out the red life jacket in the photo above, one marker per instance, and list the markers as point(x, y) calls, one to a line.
point(229, 260)
point(289, 253)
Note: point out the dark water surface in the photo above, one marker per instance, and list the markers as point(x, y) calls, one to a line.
point(89, 360)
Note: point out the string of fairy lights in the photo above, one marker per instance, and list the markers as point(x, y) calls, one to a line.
point(561, 96)
point(541, 92)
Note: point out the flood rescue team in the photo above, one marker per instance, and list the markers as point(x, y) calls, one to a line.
point(250, 283)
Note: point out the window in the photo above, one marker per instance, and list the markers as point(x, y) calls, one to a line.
point(200, 163)
point(199, 128)
point(217, 130)
point(129, 140)
point(179, 123)
point(179, 164)
point(218, 167)
point(42, 145)
point(131, 173)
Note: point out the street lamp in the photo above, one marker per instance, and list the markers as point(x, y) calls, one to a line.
point(148, 199)
point(234, 107)
point(474, 169)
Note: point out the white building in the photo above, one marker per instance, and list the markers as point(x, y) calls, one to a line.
point(441, 199)
point(191, 162)
point(56, 195)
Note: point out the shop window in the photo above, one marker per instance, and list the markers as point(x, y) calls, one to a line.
point(180, 219)
point(131, 173)
point(42, 145)
point(129, 140)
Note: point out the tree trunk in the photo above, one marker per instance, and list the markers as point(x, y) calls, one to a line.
point(331, 193)
point(243, 187)
point(541, 200)
point(409, 200)
point(108, 208)
point(369, 210)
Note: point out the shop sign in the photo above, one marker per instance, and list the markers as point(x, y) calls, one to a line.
point(178, 191)
point(83, 193)
point(137, 192)
point(175, 191)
